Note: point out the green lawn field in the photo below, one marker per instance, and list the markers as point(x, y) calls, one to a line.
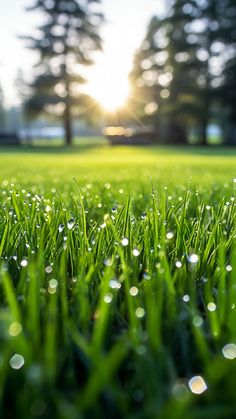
point(117, 282)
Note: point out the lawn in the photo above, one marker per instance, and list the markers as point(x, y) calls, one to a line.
point(117, 282)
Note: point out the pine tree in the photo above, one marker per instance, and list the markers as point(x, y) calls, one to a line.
point(178, 71)
point(65, 43)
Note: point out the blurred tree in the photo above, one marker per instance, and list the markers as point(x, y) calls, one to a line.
point(178, 72)
point(65, 41)
point(2, 110)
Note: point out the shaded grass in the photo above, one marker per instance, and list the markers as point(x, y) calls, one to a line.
point(101, 322)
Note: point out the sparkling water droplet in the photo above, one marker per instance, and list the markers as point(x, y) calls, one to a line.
point(24, 263)
point(48, 269)
point(143, 216)
point(197, 385)
point(133, 291)
point(124, 242)
point(193, 258)
point(136, 252)
point(229, 351)
point(140, 312)
point(211, 306)
point(114, 284)
point(108, 262)
point(228, 268)
point(186, 298)
point(108, 298)
point(15, 329)
point(61, 227)
point(71, 223)
point(169, 235)
point(178, 264)
point(17, 361)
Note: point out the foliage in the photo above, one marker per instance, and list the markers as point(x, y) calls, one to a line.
point(182, 74)
point(65, 42)
point(114, 294)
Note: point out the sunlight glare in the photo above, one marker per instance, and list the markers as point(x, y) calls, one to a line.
point(110, 94)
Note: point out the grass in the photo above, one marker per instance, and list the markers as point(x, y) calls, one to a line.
point(117, 283)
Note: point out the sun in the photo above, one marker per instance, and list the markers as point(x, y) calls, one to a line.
point(110, 94)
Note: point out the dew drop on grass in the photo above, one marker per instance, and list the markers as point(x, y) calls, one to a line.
point(48, 269)
point(17, 361)
point(108, 262)
point(143, 216)
point(140, 312)
point(61, 228)
point(211, 306)
point(197, 321)
point(178, 264)
point(114, 284)
point(180, 391)
point(197, 384)
point(136, 252)
point(24, 263)
point(124, 242)
point(133, 291)
point(186, 298)
point(169, 235)
point(108, 298)
point(228, 268)
point(229, 351)
point(70, 223)
point(193, 258)
point(15, 329)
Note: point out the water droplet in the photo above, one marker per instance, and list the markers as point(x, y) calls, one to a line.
point(197, 321)
point(178, 264)
point(124, 242)
point(211, 306)
point(114, 284)
point(136, 252)
point(143, 216)
point(48, 208)
point(193, 258)
point(169, 235)
point(61, 227)
point(186, 298)
point(197, 385)
point(70, 223)
point(17, 361)
point(108, 298)
point(48, 269)
point(229, 351)
point(228, 268)
point(180, 391)
point(108, 262)
point(15, 329)
point(24, 263)
point(133, 291)
point(53, 283)
point(140, 312)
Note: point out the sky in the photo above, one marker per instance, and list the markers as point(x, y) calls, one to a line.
point(126, 23)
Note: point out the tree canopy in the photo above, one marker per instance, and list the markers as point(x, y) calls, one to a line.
point(183, 71)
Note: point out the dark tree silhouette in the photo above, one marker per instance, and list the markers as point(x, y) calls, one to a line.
point(65, 42)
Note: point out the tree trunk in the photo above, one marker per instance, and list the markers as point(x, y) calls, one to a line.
point(204, 132)
point(68, 125)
